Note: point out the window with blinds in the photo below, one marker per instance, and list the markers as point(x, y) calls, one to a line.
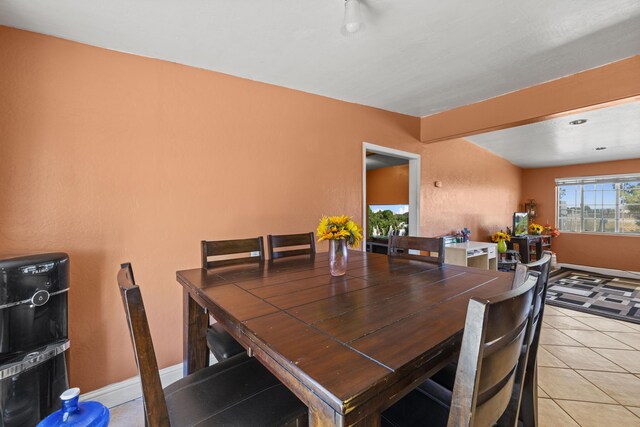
point(599, 204)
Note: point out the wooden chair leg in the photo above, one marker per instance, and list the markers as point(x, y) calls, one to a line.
point(529, 403)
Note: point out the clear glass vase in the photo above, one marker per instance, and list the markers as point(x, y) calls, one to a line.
point(338, 257)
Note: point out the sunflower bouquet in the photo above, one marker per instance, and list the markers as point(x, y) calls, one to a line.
point(535, 228)
point(340, 228)
point(500, 236)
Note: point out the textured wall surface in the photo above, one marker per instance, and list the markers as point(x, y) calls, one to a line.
point(388, 186)
point(113, 157)
point(479, 190)
point(596, 250)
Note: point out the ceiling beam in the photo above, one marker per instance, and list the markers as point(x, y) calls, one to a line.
point(610, 84)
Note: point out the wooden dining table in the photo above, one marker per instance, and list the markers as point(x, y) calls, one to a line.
point(348, 347)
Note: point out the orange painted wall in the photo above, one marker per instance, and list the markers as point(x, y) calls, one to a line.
point(388, 186)
point(479, 190)
point(113, 157)
point(607, 251)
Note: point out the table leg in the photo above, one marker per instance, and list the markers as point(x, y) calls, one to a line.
point(372, 420)
point(323, 417)
point(195, 323)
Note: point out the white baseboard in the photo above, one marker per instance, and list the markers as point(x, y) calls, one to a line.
point(118, 393)
point(605, 271)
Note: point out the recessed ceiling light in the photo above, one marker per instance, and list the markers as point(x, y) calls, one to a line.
point(578, 122)
point(600, 148)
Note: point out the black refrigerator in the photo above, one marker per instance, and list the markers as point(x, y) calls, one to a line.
point(33, 336)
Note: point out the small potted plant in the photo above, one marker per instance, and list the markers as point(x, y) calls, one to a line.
point(535, 229)
point(501, 238)
point(551, 231)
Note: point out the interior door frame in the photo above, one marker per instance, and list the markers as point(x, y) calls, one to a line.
point(414, 184)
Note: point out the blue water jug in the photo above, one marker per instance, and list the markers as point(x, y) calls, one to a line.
point(85, 414)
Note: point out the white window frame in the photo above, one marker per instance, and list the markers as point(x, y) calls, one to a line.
point(601, 179)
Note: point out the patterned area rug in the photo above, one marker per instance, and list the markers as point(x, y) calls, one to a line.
point(614, 297)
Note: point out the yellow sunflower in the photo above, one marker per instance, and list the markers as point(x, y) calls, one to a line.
point(339, 228)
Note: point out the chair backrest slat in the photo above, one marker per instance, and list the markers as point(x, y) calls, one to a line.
point(543, 266)
point(524, 403)
point(290, 240)
point(155, 406)
point(495, 330)
point(223, 248)
point(399, 246)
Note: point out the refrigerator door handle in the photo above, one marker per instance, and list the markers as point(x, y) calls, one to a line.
point(33, 359)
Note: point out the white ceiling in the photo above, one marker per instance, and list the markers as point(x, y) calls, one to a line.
point(555, 142)
point(379, 161)
point(417, 57)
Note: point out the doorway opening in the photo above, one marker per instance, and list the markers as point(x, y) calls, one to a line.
point(390, 194)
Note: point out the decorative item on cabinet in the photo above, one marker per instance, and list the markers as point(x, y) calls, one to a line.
point(531, 207)
point(501, 238)
point(535, 229)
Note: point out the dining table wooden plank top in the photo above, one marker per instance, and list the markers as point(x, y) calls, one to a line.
point(347, 346)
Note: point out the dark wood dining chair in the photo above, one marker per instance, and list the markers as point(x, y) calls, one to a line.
point(226, 253)
point(399, 246)
point(290, 241)
point(238, 391)
point(528, 413)
point(495, 331)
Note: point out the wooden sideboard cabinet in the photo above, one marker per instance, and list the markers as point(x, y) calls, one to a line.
point(472, 254)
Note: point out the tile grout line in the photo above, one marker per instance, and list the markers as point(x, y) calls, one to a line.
point(586, 401)
point(626, 347)
point(597, 403)
point(608, 333)
point(629, 406)
point(545, 392)
point(605, 333)
point(582, 376)
point(595, 330)
point(617, 364)
point(630, 348)
point(561, 408)
point(592, 383)
point(568, 414)
point(593, 349)
point(616, 321)
point(624, 371)
point(590, 370)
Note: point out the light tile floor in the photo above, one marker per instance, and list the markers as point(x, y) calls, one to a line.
point(589, 373)
point(588, 370)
